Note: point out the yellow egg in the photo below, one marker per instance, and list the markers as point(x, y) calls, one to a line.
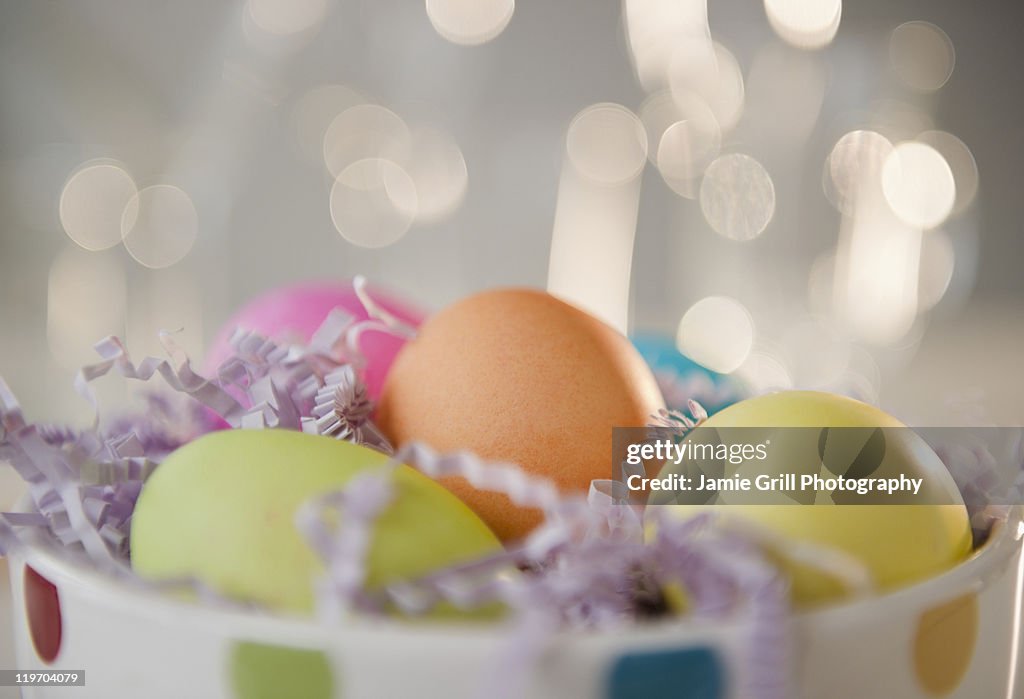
point(918, 536)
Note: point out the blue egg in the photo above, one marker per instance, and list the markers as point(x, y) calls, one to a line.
point(682, 379)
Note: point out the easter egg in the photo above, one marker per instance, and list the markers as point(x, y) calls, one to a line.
point(681, 379)
point(295, 312)
point(222, 510)
point(899, 537)
point(519, 376)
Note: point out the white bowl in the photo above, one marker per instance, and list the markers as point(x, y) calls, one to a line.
point(955, 635)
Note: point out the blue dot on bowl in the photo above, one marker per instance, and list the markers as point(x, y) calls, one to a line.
point(688, 673)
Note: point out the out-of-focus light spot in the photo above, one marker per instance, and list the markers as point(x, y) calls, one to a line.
point(286, 17)
point(438, 170)
point(676, 156)
point(657, 29)
point(470, 22)
point(717, 78)
point(363, 132)
point(684, 136)
point(313, 113)
point(607, 143)
point(596, 213)
point(159, 225)
point(816, 353)
point(961, 162)
point(918, 184)
point(855, 162)
point(938, 260)
point(876, 278)
point(806, 24)
point(92, 203)
point(717, 332)
point(85, 302)
point(737, 196)
point(922, 55)
point(763, 372)
point(373, 203)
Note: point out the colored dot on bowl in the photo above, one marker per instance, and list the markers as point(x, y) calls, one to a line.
point(944, 644)
point(263, 671)
point(42, 605)
point(690, 673)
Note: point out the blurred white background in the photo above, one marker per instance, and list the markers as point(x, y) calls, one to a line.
point(829, 198)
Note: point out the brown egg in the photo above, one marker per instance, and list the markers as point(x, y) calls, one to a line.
point(517, 375)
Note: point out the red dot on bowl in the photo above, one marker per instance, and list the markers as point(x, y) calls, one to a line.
point(42, 603)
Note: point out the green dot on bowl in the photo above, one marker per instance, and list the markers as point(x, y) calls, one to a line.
point(263, 671)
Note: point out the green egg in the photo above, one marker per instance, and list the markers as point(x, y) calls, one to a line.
point(222, 510)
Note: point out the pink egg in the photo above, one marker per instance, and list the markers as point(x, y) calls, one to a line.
point(295, 312)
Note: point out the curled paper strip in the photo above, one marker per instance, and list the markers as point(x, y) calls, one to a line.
point(344, 544)
point(342, 410)
point(83, 486)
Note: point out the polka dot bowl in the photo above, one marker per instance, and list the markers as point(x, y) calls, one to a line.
point(956, 635)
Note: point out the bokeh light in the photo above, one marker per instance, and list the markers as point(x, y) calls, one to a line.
point(737, 196)
point(373, 203)
point(684, 136)
point(918, 184)
point(438, 170)
point(855, 162)
point(85, 302)
point(313, 113)
point(961, 162)
point(815, 352)
point(658, 29)
point(717, 78)
point(717, 332)
point(876, 278)
point(470, 22)
point(607, 143)
point(362, 132)
point(93, 202)
point(159, 225)
point(806, 24)
point(284, 18)
point(922, 55)
point(764, 371)
point(592, 235)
